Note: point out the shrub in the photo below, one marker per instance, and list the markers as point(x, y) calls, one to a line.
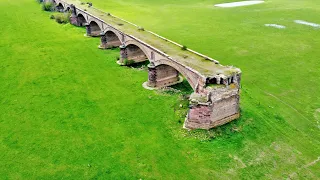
point(62, 18)
point(127, 62)
point(52, 17)
point(48, 6)
point(141, 29)
point(184, 48)
point(89, 4)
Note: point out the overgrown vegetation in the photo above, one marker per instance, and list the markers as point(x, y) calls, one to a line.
point(140, 28)
point(128, 62)
point(184, 48)
point(48, 6)
point(89, 4)
point(62, 18)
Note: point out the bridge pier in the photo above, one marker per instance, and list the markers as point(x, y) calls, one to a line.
point(152, 75)
point(103, 40)
point(162, 76)
point(73, 17)
point(88, 29)
point(123, 54)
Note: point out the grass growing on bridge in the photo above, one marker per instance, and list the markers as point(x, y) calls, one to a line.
point(67, 110)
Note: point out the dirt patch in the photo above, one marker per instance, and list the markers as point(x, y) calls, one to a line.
point(237, 4)
point(275, 26)
point(307, 23)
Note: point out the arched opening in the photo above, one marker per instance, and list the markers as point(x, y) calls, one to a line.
point(81, 20)
point(68, 9)
point(60, 7)
point(134, 53)
point(112, 39)
point(165, 75)
point(94, 28)
point(212, 81)
point(218, 80)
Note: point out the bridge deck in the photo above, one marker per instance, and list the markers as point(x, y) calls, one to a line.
point(192, 60)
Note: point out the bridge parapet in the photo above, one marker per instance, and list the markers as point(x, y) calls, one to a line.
point(215, 100)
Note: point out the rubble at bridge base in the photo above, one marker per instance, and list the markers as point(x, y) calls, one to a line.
point(213, 107)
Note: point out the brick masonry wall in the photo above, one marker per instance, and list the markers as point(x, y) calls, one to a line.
point(166, 75)
point(222, 108)
point(111, 37)
point(225, 107)
point(135, 53)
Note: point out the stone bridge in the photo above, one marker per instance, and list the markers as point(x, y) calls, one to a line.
point(215, 100)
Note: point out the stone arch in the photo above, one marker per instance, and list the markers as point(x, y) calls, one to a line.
point(81, 19)
point(169, 65)
point(55, 2)
point(60, 7)
point(98, 22)
point(68, 9)
point(136, 52)
point(113, 35)
point(95, 29)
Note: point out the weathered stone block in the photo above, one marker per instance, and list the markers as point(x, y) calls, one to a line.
point(219, 105)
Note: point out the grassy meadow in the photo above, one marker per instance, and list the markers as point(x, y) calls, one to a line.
point(68, 111)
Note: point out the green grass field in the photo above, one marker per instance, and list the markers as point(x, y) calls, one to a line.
point(68, 111)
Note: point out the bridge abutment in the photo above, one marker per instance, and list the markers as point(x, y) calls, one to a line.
point(216, 106)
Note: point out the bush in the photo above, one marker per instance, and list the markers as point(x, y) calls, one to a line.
point(52, 17)
point(141, 29)
point(48, 6)
point(62, 18)
point(89, 4)
point(127, 62)
point(184, 48)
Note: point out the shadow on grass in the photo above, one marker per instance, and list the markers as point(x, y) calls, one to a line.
point(140, 65)
point(184, 87)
